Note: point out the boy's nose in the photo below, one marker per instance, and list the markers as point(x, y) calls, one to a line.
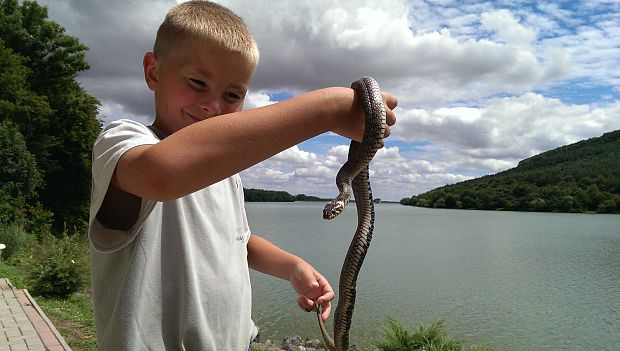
point(211, 106)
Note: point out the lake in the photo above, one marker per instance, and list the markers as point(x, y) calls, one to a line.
point(509, 280)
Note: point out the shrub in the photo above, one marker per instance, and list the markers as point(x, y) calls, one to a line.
point(424, 338)
point(39, 221)
point(15, 239)
point(60, 266)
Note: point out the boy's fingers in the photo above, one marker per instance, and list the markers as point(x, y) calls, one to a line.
point(390, 118)
point(305, 303)
point(326, 309)
point(390, 100)
point(310, 289)
point(386, 133)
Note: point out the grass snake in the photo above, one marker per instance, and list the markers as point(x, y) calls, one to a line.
point(352, 179)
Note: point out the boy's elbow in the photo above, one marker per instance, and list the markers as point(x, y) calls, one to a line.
point(155, 179)
point(166, 185)
point(152, 175)
point(158, 187)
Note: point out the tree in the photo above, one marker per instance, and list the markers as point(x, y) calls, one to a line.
point(52, 111)
point(19, 177)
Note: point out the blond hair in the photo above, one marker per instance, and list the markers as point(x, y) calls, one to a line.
point(205, 20)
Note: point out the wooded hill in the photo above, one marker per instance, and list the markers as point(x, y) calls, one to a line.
point(581, 177)
point(261, 195)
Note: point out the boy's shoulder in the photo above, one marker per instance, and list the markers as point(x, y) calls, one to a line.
point(124, 123)
point(124, 127)
point(122, 134)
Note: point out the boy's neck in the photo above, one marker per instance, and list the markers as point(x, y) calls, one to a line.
point(158, 132)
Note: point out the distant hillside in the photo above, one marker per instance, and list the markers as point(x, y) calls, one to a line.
point(581, 177)
point(260, 195)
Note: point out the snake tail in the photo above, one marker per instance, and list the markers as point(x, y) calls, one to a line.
point(329, 342)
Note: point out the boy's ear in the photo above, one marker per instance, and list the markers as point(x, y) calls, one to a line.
point(150, 70)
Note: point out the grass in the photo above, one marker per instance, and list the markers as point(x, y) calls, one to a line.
point(14, 274)
point(422, 338)
point(72, 317)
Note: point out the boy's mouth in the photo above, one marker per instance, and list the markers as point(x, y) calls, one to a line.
point(197, 116)
point(195, 119)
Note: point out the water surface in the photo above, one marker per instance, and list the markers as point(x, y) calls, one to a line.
point(509, 280)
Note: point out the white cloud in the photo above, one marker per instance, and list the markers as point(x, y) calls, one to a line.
point(505, 130)
point(314, 44)
point(429, 54)
point(507, 28)
point(254, 99)
point(296, 157)
point(465, 73)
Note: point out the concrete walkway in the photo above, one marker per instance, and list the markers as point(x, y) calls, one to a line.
point(23, 325)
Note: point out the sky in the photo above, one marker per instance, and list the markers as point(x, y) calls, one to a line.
point(481, 84)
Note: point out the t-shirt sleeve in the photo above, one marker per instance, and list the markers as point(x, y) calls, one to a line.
point(116, 139)
point(245, 227)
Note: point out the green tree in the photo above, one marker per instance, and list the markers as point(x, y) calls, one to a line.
point(260, 195)
point(440, 203)
point(19, 177)
point(53, 112)
point(451, 201)
point(591, 197)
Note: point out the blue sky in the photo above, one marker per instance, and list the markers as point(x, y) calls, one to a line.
point(481, 84)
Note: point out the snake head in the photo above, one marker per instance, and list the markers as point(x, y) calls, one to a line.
point(333, 209)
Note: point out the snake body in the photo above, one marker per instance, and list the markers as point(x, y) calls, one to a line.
point(352, 179)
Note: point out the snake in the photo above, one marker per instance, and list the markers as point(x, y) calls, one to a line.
point(353, 180)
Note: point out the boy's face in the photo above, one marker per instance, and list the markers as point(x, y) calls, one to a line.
point(196, 82)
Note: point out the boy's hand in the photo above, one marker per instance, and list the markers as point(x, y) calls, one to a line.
point(350, 121)
point(311, 286)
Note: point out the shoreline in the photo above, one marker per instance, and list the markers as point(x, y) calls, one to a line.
point(289, 343)
point(294, 343)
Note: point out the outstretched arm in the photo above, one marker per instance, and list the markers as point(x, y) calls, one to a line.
point(216, 148)
point(309, 284)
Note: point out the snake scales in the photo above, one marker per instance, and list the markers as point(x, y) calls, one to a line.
point(353, 178)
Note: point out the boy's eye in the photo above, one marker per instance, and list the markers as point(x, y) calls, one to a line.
point(234, 96)
point(197, 83)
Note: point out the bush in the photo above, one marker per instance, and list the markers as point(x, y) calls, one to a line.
point(424, 338)
point(15, 239)
point(60, 266)
point(39, 221)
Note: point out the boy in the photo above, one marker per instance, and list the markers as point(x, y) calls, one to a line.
point(171, 243)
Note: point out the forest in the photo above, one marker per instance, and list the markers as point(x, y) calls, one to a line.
point(261, 195)
point(580, 177)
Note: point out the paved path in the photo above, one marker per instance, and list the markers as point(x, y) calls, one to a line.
point(23, 325)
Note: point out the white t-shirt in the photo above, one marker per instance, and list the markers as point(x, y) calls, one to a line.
point(178, 279)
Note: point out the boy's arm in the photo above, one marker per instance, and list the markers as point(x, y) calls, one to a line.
point(214, 149)
point(309, 284)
